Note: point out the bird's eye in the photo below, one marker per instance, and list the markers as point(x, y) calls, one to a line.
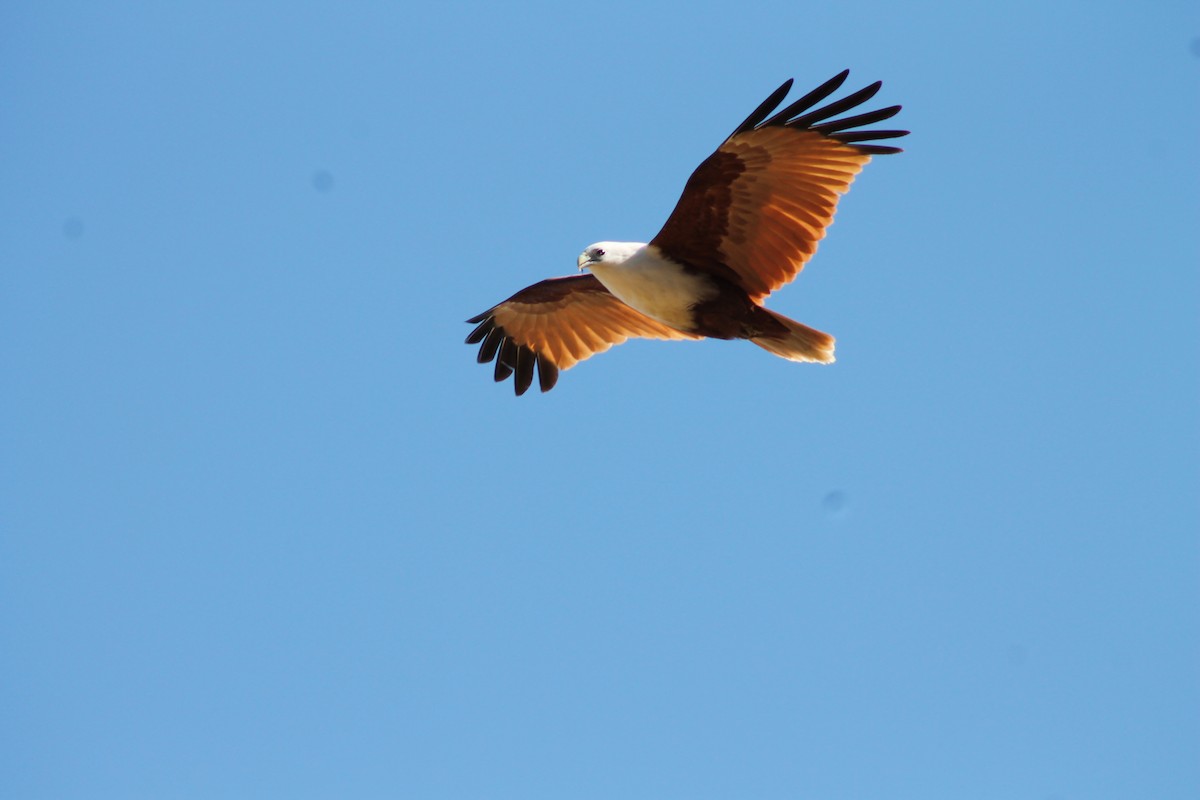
point(599, 253)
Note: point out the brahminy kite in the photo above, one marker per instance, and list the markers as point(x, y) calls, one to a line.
point(749, 219)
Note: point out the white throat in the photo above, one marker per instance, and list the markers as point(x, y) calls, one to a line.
point(642, 278)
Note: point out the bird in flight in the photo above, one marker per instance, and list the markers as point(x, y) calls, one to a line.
point(749, 219)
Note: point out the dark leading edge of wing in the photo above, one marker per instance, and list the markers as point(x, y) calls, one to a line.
point(794, 116)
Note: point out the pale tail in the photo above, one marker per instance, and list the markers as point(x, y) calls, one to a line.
point(801, 343)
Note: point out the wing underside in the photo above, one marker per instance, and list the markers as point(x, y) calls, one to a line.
point(754, 211)
point(553, 325)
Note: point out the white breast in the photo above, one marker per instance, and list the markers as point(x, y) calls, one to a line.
point(655, 286)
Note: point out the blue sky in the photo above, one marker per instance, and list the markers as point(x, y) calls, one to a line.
point(269, 531)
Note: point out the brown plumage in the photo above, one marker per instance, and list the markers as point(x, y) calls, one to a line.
point(556, 323)
point(749, 219)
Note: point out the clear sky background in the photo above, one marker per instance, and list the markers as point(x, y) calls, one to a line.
point(268, 530)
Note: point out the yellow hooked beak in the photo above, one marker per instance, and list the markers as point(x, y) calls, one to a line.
point(583, 260)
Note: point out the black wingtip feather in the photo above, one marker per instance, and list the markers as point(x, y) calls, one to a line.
point(857, 121)
point(547, 373)
point(487, 350)
point(486, 324)
point(764, 108)
point(511, 358)
point(837, 106)
point(523, 370)
point(850, 137)
point(506, 359)
point(878, 149)
point(502, 371)
point(801, 115)
point(809, 100)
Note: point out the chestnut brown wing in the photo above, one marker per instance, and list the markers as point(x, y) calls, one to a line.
point(754, 211)
point(554, 324)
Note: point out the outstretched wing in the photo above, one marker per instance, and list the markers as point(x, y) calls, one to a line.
point(755, 210)
point(556, 324)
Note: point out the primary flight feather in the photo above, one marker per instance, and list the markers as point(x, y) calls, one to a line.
point(749, 219)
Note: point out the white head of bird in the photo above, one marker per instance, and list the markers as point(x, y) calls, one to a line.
point(608, 253)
